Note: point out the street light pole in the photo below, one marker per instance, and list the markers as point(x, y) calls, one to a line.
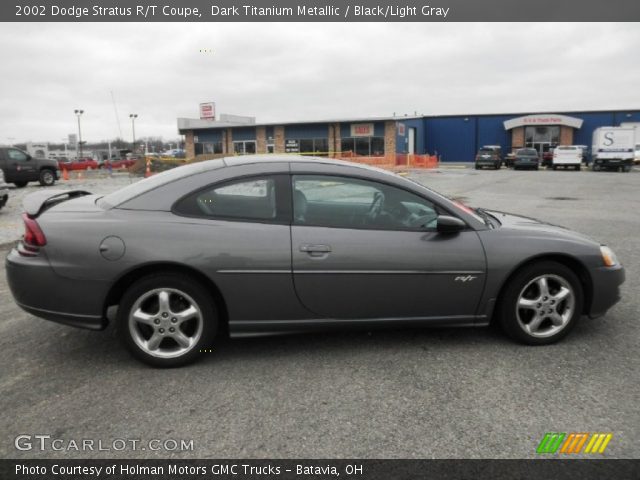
point(133, 117)
point(79, 150)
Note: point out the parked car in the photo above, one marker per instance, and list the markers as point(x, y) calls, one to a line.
point(21, 168)
point(120, 163)
point(509, 158)
point(526, 158)
point(636, 154)
point(497, 149)
point(4, 190)
point(272, 244)
point(80, 164)
point(547, 158)
point(567, 156)
point(488, 157)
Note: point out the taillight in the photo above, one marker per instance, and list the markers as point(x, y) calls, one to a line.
point(33, 235)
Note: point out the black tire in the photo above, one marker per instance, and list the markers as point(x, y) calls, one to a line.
point(595, 168)
point(20, 184)
point(47, 177)
point(512, 319)
point(496, 166)
point(178, 283)
point(477, 167)
point(626, 168)
point(555, 167)
point(577, 167)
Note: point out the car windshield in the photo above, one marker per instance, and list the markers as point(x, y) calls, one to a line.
point(138, 188)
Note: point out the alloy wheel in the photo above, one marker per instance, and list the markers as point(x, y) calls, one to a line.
point(165, 323)
point(545, 305)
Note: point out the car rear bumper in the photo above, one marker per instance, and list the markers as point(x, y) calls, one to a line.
point(39, 290)
point(606, 289)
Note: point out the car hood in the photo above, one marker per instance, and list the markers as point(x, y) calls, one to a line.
point(533, 226)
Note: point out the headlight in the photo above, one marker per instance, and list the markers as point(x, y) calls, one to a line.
point(609, 258)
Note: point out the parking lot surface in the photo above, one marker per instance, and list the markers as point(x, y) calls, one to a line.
point(440, 393)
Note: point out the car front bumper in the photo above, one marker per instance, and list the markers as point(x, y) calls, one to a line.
point(606, 289)
point(4, 195)
point(39, 290)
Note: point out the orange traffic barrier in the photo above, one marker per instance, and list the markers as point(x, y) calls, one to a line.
point(65, 174)
point(147, 172)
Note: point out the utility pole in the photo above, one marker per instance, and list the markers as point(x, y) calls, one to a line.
point(133, 117)
point(79, 149)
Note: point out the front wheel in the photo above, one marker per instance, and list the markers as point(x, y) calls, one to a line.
point(47, 178)
point(167, 320)
point(541, 304)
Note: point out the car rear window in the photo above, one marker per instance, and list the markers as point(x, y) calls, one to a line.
point(142, 186)
point(568, 148)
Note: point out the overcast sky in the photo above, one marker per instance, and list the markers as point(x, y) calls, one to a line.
point(284, 72)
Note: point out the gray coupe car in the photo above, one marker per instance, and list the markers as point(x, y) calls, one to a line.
point(263, 244)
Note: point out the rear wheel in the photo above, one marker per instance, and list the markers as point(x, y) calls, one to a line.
point(20, 184)
point(626, 168)
point(555, 167)
point(577, 167)
point(541, 304)
point(47, 178)
point(167, 320)
point(595, 168)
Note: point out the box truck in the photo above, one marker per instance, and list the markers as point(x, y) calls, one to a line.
point(635, 125)
point(613, 148)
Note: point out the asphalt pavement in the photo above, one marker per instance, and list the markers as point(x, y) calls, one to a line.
point(439, 393)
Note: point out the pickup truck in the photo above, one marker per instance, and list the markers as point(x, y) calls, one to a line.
point(567, 156)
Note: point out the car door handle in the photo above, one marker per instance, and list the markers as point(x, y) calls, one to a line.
point(315, 248)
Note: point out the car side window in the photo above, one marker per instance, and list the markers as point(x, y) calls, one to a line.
point(345, 202)
point(244, 199)
point(16, 155)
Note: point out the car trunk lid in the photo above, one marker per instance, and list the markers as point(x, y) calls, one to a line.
point(36, 203)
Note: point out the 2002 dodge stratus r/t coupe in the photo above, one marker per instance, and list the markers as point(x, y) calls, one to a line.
point(257, 245)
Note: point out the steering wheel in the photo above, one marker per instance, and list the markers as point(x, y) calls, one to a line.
point(376, 206)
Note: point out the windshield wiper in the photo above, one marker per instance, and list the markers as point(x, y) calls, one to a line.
point(486, 217)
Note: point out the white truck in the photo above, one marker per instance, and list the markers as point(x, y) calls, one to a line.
point(613, 148)
point(567, 156)
point(636, 126)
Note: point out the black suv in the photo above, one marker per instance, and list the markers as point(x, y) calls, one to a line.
point(21, 168)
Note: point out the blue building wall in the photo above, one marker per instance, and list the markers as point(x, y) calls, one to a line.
point(402, 142)
point(458, 138)
point(208, 136)
point(244, 133)
point(452, 138)
point(308, 130)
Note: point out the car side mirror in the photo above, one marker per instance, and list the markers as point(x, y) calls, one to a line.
point(448, 224)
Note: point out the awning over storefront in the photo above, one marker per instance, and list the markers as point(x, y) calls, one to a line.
point(543, 119)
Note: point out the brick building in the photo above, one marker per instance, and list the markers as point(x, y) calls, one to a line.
point(453, 138)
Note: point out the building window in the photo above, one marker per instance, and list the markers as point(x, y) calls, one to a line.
point(318, 147)
point(207, 148)
point(364, 146)
point(246, 147)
